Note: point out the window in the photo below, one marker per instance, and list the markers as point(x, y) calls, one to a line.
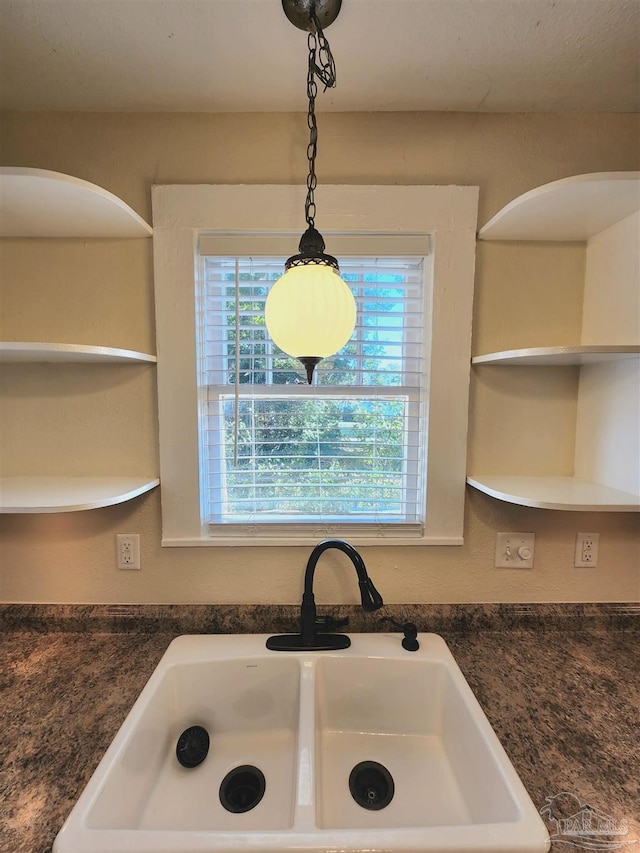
point(347, 451)
point(376, 450)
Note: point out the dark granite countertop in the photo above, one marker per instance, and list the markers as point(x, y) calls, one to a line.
point(559, 684)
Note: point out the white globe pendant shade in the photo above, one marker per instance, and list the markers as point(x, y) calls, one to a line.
point(310, 312)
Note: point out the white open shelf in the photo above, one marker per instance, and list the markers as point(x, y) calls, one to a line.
point(37, 351)
point(558, 356)
point(68, 494)
point(40, 203)
point(564, 493)
point(571, 209)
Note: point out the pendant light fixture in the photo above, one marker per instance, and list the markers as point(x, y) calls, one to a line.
point(310, 311)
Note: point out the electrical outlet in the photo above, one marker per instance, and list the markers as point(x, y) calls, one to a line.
point(586, 552)
point(128, 551)
point(514, 550)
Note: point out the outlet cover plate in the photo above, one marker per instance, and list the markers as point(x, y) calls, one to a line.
point(586, 551)
point(128, 551)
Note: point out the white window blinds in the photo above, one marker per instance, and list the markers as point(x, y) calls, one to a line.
point(348, 451)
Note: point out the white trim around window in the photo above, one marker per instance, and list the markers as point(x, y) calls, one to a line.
point(182, 214)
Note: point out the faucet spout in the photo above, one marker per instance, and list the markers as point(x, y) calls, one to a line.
point(309, 638)
point(369, 595)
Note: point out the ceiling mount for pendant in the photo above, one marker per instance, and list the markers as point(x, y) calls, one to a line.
point(300, 12)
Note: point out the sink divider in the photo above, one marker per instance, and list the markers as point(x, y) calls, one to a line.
point(304, 817)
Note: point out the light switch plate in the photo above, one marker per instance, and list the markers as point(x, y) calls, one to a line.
point(514, 550)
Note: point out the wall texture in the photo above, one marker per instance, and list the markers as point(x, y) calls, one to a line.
point(103, 294)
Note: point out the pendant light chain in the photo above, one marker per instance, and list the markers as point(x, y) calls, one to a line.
point(322, 66)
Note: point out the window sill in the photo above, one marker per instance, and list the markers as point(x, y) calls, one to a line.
point(307, 541)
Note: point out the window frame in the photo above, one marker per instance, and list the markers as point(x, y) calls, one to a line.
point(182, 213)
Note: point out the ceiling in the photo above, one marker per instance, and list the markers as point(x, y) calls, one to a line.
point(245, 56)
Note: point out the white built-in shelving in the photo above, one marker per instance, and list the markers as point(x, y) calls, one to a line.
point(21, 352)
point(569, 210)
point(600, 209)
point(565, 493)
point(40, 203)
point(36, 203)
point(68, 494)
point(559, 356)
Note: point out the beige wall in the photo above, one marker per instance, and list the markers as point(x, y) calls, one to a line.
point(102, 294)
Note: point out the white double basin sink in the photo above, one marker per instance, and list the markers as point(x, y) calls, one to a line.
point(372, 748)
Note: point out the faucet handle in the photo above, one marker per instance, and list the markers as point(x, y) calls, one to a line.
point(330, 623)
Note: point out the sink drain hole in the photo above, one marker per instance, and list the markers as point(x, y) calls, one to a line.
point(192, 746)
point(371, 785)
point(242, 789)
